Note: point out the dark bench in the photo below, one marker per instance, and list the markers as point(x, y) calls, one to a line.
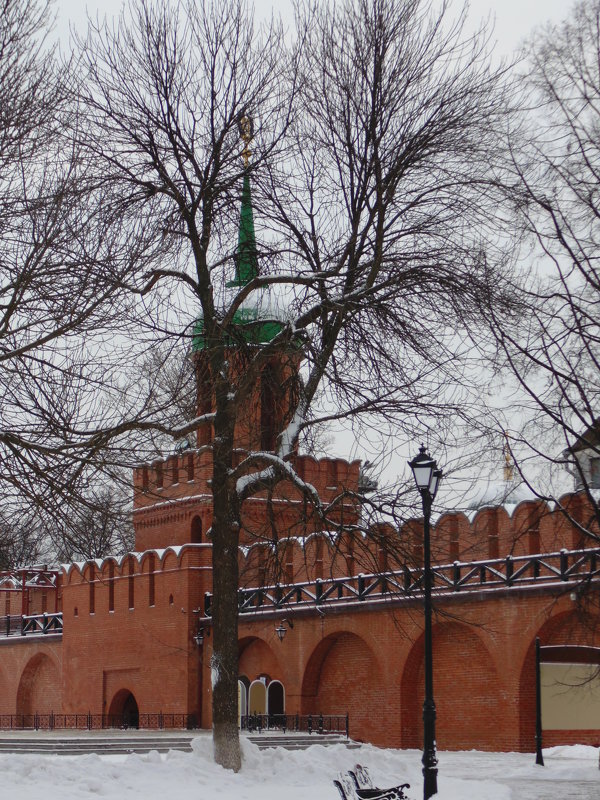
point(357, 784)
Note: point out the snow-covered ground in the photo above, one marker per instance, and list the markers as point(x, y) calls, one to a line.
point(277, 774)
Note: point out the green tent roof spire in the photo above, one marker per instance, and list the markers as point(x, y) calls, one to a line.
point(246, 258)
point(247, 322)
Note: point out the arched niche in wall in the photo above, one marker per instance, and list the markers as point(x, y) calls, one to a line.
point(123, 711)
point(39, 690)
point(243, 684)
point(257, 698)
point(275, 698)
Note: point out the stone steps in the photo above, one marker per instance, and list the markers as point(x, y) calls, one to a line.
point(101, 745)
point(123, 743)
point(294, 741)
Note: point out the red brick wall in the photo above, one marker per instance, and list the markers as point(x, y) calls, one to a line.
point(30, 675)
point(147, 649)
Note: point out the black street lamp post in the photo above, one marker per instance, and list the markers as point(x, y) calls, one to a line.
point(427, 477)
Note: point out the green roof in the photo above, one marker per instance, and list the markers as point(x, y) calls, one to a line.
point(249, 327)
point(246, 258)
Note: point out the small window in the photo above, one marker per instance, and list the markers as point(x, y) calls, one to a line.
point(595, 473)
point(196, 531)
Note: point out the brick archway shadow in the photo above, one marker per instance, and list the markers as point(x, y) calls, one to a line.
point(565, 628)
point(465, 691)
point(39, 686)
point(123, 710)
point(343, 675)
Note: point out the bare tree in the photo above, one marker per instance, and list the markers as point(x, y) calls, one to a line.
point(369, 146)
point(96, 529)
point(59, 271)
point(553, 346)
point(21, 540)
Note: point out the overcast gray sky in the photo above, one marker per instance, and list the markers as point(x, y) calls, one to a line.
point(514, 19)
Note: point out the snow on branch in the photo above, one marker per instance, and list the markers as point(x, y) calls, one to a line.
point(276, 469)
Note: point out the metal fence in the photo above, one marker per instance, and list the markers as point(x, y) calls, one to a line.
point(560, 569)
point(90, 722)
point(298, 723)
point(17, 625)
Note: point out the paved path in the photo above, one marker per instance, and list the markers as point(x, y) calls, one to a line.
point(553, 790)
point(562, 778)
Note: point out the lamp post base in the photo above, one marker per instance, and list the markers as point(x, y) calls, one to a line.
point(429, 781)
point(429, 759)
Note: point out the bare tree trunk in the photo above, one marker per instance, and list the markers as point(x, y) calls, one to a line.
point(225, 540)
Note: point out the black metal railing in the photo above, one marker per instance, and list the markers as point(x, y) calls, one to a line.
point(52, 721)
point(563, 567)
point(11, 625)
point(42, 623)
point(21, 625)
point(299, 723)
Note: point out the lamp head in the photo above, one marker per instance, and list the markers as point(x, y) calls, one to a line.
point(281, 631)
point(426, 473)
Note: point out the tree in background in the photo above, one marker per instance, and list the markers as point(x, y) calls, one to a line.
point(63, 255)
point(21, 541)
point(553, 347)
point(97, 529)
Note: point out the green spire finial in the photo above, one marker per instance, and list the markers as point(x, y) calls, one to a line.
point(246, 260)
point(247, 322)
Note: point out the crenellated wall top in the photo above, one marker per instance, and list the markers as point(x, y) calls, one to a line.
point(138, 563)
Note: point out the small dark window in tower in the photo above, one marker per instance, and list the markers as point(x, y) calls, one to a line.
point(196, 531)
point(175, 469)
point(190, 467)
point(144, 479)
point(158, 468)
point(267, 410)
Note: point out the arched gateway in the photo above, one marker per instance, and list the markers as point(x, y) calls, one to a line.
point(124, 711)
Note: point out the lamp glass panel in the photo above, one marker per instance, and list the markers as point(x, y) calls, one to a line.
point(422, 474)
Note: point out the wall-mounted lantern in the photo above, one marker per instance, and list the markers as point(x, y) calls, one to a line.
point(281, 629)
